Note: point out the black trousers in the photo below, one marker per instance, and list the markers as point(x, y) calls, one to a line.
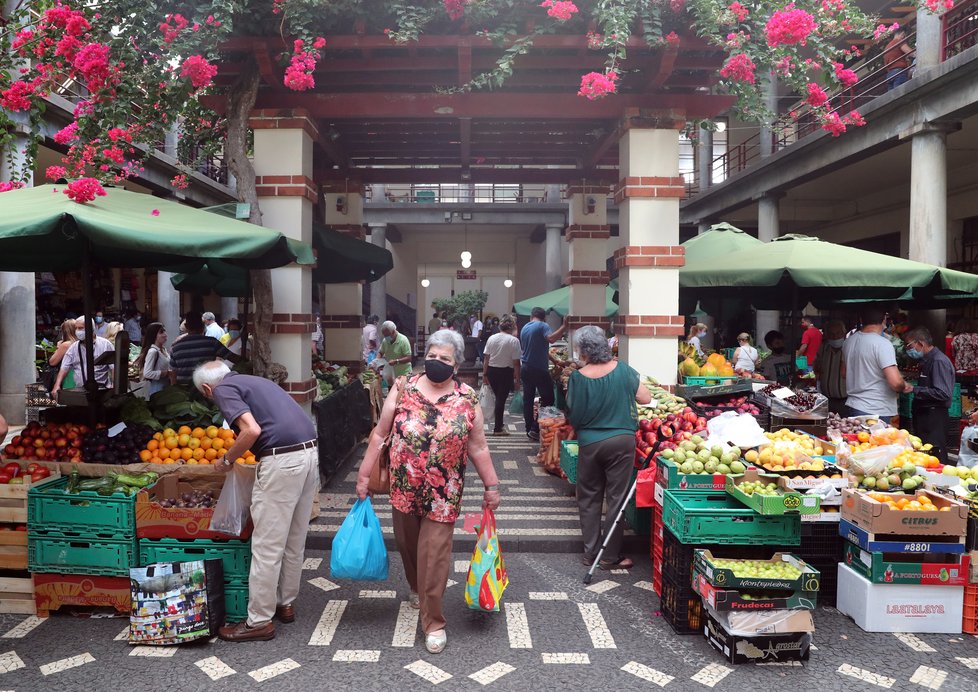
point(930, 425)
point(501, 382)
point(534, 381)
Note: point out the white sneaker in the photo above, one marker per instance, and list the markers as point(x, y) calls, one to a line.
point(414, 601)
point(436, 642)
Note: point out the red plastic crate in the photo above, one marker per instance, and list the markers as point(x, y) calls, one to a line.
point(969, 625)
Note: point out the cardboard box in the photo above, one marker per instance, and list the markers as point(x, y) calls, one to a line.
point(787, 501)
point(899, 544)
point(809, 579)
point(153, 520)
point(876, 517)
point(896, 568)
point(973, 556)
point(760, 648)
point(771, 622)
point(899, 608)
point(726, 600)
point(822, 517)
point(803, 480)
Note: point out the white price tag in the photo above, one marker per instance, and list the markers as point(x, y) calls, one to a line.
point(782, 393)
point(809, 501)
point(116, 429)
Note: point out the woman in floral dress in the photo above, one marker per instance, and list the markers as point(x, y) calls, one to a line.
point(438, 427)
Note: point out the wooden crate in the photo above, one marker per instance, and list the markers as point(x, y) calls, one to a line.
point(17, 594)
point(13, 549)
point(13, 498)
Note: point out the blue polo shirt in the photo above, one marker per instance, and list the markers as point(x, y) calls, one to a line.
point(536, 348)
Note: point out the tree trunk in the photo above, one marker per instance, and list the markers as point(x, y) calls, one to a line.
point(241, 101)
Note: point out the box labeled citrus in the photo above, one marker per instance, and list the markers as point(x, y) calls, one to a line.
point(925, 512)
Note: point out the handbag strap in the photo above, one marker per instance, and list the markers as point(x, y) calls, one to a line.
point(400, 382)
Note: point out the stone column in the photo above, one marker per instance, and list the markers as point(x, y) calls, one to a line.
point(930, 36)
point(17, 313)
point(378, 288)
point(283, 166)
point(704, 159)
point(766, 143)
point(552, 250)
point(648, 324)
point(768, 228)
point(928, 205)
point(168, 305)
point(342, 305)
point(587, 232)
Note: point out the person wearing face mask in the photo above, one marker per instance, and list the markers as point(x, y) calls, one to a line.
point(101, 326)
point(779, 366)
point(933, 391)
point(872, 378)
point(154, 359)
point(696, 332)
point(232, 340)
point(395, 348)
point(830, 366)
point(438, 426)
point(76, 358)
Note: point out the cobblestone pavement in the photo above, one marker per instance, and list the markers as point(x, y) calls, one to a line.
point(553, 631)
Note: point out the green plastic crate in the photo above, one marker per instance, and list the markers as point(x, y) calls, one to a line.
point(73, 555)
point(235, 554)
point(568, 459)
point(236, 601)
point(718, 518)
point(49, 508)
point(906, 403)
point(639, 518)
point(698, 381)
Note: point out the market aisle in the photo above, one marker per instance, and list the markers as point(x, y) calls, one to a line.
point(356, 636)
point(538, 511)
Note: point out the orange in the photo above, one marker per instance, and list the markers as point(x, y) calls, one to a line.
point(171, 443)
point(184, 430)
point(192, 461)
point(176, 454)
point(152, 444)
point(193, 443)
point(211, 431)
point(226, 435)
point(187, 453)
point(198, 454)
point(145, 455)
point(169, 432)
point(158, 436)
point(217, 444)
point(863, 436)
point(205, 442)
point(184, 439)
point(198, 433)
point(210, 454)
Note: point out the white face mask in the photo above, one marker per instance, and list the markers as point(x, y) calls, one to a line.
point(79, 334)
point(702, 333)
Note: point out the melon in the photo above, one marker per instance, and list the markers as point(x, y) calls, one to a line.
point(709, 370)
point(716, 359)
point(689, 368)
point(726, 370)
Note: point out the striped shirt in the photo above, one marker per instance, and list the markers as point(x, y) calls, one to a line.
point(191, 351)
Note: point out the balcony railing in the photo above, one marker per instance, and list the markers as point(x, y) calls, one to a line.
point(462, 194)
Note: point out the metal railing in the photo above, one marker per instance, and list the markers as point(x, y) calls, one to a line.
point(960, 29)
point(462, 194)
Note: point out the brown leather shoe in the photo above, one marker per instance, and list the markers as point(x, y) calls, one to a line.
point(285, 613)
point(240, 632)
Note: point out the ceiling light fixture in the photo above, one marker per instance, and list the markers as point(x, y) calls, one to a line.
point(424, 278)
point(466, 256)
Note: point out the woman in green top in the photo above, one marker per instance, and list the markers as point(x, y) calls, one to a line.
point(601, 397)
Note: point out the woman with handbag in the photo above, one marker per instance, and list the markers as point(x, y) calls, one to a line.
point(430, 426)
point(154, 359)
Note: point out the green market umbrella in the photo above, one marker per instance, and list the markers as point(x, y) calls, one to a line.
point(42, 230)
point(226, 280)
point(719, 241)
point(559, 301)
point(804, 269)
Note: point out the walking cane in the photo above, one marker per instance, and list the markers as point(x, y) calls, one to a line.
point(621, 512)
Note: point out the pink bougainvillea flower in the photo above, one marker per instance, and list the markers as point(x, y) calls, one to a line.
point(84, 190)
point(739, 11)
point(67, 135)
point(155, 212)
point(18, 96)
point(200, 72)
point(92, 64)
point(789, 26)
point(672, 37)
point(55, 172)
point(739, 68)
point(561, 10)
point(594, 40)
point(7, 186)
point(845, 76)
point(816, 95)
point(595, 85)
point(319, 43)
point(180, 182)
point(677, 6)
point(454, 8)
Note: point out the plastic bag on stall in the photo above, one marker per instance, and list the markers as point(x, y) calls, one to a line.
point(233, 509)
point(818, 411)
point(842, 451)
point(740, 429)
point(358, 551)
point(874, 460)
point(487, 400)
point(968, 452)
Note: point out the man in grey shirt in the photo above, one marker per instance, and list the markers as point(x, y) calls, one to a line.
point(873, 381)
point(933, 391)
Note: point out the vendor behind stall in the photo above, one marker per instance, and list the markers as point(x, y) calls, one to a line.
point(933, 391)
point(76, 357)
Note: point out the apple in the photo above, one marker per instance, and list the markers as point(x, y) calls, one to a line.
point(13, 468)
point(16, 480)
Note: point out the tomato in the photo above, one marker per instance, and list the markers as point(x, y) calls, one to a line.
point(13, 468)
point(4, 478)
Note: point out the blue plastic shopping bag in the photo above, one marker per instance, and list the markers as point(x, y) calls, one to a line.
point(359, 552)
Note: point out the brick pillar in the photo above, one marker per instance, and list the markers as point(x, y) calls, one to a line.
point(283, 166)
point(648, 196)
point(342, 319)
point(587, 232)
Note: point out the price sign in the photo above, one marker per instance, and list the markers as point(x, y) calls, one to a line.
point(782, 393)
point(465, 274)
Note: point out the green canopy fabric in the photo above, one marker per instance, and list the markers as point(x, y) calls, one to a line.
point(226, 280)
point(813, 269)
point(41, 229)
point(341, 258)
point(559, 302)
point(719, 241)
